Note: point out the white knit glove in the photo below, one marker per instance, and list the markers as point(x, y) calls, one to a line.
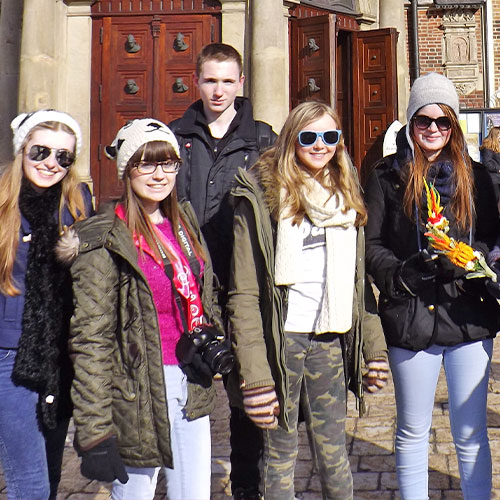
point(261, 406)
point(376, 376)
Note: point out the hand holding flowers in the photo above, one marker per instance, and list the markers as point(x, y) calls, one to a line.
point(458, 252)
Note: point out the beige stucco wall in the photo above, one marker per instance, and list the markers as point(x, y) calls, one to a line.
point(55, 63)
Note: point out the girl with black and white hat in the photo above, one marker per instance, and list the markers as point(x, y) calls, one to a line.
point(142, 280)
point(432, 315)
point(39, 196)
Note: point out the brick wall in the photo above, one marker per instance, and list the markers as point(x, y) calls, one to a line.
point(430, 36)
point(496, 47)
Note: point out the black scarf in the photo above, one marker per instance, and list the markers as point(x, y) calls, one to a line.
point(38, 360)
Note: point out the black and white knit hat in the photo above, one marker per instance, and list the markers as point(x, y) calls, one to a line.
point(23, 123)
point(133, 135)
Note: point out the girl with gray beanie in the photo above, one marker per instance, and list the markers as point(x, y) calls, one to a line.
point(431, 314)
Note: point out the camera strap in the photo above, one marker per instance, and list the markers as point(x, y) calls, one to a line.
point(193, 301)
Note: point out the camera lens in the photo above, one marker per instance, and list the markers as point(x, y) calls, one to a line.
point(218, 357)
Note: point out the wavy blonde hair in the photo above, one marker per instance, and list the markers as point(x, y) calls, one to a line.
point(10, 215)
point(291, 175)
point(138, 221)
point(462, 201)
point(492, 141)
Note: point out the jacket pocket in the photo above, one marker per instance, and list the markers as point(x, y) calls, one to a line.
point(126, 410)
point(406, 323)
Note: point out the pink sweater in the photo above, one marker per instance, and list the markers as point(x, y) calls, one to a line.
point(168, 314)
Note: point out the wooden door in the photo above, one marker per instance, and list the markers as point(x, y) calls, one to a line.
point(143, 67)
point(375, 104)
point(312, 59)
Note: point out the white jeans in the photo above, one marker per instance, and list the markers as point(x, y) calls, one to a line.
point(191, 450)
point(415, 377)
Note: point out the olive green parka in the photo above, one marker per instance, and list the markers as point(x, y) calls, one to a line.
point(257, 307)
point(119, 387)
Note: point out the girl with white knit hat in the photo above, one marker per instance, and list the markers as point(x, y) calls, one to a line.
point(40, 195)
point(431, 313)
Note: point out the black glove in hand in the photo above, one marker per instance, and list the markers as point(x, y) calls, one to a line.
point(103, 462)
point(493, 287)
point(447, 271)
point(416, 272)
point(198, 372)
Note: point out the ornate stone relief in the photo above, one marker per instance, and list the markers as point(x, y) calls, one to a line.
point(459, 49)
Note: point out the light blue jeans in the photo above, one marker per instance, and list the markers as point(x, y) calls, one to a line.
point(415, 377)
point(191, 450)
point(22, 445)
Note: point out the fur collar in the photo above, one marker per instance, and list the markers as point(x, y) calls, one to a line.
point(68, 247)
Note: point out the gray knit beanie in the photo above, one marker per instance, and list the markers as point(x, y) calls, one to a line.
point(432, 88)
point(133, 135)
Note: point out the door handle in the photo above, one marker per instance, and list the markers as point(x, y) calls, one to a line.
point(311, 85)
point(131, 45)
point(131, 87)
point(179, 87)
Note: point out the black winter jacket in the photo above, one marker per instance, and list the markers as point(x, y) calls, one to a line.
point(209, 168)
point(491, 161)
point(445, 313)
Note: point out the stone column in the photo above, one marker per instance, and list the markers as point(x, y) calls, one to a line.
point(11, 20)
point(234, 24)
point(269, 87)
point(55, 63)
point(392, 14)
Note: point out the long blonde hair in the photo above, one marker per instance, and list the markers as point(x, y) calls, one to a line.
point(138, 221)
point(10, 215)
point(492, 141)
point(290, 175)
point(462, 201)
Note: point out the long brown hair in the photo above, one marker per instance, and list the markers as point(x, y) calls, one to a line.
point(289, 174)
point(462, 202)
point(138, 221)
point(10, 215)
point(492, 141)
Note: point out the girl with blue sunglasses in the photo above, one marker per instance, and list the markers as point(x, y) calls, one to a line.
point(297, 298)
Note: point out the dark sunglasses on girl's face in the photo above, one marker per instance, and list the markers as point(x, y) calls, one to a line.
point(423, 122)
point(64, 157)
point(329, 137)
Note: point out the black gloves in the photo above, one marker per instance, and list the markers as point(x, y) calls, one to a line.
point(492, 286)
point(197, 371)
point(103, 462)
point(416, 272)
point(447, 271)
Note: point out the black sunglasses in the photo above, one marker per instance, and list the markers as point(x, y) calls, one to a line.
point(64, 157)
point(329, 137)
point(423, 122)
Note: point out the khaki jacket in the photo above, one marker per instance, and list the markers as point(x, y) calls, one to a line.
point(119, 388)
point(257, 307)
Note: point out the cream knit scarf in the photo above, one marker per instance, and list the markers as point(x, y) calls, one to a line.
point(324, 210)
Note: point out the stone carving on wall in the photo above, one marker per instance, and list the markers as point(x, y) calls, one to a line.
point(459, 46)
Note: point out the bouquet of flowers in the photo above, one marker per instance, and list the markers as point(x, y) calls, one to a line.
point(459, 253)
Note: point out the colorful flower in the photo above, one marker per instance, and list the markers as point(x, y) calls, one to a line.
point(459, 253)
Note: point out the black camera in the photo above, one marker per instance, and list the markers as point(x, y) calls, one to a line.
point(206, 341)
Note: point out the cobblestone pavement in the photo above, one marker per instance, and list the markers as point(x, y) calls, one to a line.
point(370, 445)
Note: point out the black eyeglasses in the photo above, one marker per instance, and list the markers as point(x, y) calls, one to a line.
point(423, 122)
point(329, 137)
point(149, 167)
point(64, 157)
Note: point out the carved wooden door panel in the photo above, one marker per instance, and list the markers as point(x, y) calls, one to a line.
point(142, 66)
point(375, 104)
point(312, 59)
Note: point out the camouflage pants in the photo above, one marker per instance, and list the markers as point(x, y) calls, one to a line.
point(314, 363)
